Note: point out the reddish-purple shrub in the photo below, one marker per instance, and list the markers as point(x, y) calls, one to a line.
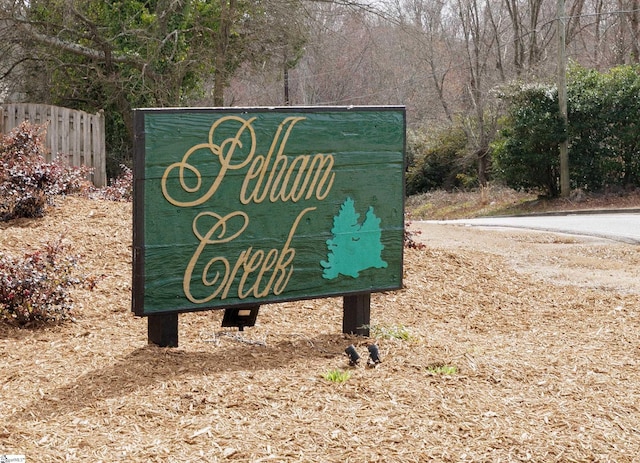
point(36, 287)
point(21, 183)
point(409, 242)
point(27, 182)
point(64, 179)
point(121, 188)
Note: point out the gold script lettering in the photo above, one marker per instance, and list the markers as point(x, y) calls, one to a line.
point(221, 227)
point(277, 186)
point(224, 152)
point(251, 266)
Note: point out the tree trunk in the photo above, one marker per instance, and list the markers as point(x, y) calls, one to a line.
point(227, 11)
point(619, 50)
point(534, 48)
point(634, 21)
point(285, 78)
point(598, 31)
point(518, 46)
point(483, 166)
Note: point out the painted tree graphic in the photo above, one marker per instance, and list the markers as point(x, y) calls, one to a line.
point(354, 246)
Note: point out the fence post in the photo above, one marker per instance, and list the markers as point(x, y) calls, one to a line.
point(99, 151)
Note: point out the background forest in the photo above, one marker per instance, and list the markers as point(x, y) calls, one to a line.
point(478, 77)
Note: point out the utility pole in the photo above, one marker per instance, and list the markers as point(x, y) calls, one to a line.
point(562, 99)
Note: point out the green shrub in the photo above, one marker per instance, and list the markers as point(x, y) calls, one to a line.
point(604, 129)
point(526, 154)
point(603, 132)
point(439, 162)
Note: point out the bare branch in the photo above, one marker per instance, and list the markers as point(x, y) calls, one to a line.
point(77, 49)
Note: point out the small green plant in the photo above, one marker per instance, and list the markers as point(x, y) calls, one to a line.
point(337, 376)
point(390, 332)
point(442, 369)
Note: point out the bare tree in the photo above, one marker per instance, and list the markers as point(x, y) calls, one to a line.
point(478, 46)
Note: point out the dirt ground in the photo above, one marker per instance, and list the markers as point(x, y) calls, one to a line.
point(542, 329)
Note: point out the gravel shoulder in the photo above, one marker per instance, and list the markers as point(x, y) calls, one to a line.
point(557, 258)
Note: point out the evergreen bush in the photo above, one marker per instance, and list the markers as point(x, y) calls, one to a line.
point(526, 154)
point(438, 162)
point(603, 132)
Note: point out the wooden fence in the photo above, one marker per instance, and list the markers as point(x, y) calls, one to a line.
point(77, 136)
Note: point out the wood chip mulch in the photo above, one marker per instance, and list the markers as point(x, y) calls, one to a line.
point(543, 372)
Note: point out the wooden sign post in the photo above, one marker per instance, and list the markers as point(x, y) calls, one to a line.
point(234, 208)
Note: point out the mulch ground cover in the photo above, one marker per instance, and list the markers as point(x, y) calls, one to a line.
point(480, 362)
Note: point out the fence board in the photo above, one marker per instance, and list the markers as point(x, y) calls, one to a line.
point(64, 130)
point(52, 130)
point(98, 149)
point(76, 135)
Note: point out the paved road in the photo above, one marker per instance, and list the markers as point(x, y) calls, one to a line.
point(615, 226)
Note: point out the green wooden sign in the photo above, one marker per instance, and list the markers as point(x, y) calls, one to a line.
point(249, 206)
